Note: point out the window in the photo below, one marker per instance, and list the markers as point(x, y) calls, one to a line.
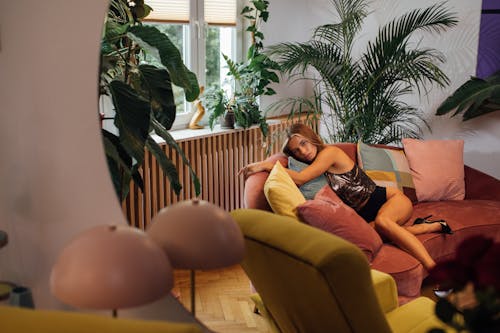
point(202, 30)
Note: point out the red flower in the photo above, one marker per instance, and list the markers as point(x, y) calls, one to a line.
point(472, 249)
point(450, 274)
point(488, 269)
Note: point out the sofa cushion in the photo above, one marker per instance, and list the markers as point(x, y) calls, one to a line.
point(466, 218)
point(312, 187)
point(437, 167)
point(281, 192)
point(387, 167)
point(328, 213)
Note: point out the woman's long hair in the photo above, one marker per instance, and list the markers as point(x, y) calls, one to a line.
point(304, 131)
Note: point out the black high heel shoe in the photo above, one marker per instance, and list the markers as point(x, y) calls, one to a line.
point(445, 228)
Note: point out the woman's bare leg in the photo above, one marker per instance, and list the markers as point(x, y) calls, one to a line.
point(391, 215)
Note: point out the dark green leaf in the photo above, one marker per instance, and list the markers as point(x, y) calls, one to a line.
point(132, 118)
point(245, 10)
point(159, 46)
point(260, 5)
point(120, 165)
point(474, 98)
point(264, 16)
point(160, 130)
point(166, 165)
point(157, 82)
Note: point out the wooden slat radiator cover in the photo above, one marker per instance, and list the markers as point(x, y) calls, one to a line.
point(216, 159)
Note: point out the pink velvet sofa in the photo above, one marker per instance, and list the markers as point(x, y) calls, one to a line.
point(478, 213)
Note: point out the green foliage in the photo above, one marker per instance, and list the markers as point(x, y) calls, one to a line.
point(363, 95)
point(251, 77)
point(474, 98)
point(142, 94)
point(214, 100)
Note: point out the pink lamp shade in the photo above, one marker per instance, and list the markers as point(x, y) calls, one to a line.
point(197, 235)
point(111, 267)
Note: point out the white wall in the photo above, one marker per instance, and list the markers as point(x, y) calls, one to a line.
point(53, 176)
point(293, 20)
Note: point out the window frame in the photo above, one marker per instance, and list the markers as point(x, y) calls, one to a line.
point(194, 44)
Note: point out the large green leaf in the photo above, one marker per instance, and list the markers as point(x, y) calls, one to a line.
point(166, 164)
point(474, 98)
point(159, 46)
point(157, 82)
point(160, 130)
point(132, 118)
point(120, 165)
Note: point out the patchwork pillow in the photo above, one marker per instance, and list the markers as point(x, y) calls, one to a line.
point(387, 167)
point(437, 167)
point(328, 213)
point(281, 192)
point(312, 187)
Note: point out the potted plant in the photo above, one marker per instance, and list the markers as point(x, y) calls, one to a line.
point(141, 94)
point(251, 78)
point(363, 94)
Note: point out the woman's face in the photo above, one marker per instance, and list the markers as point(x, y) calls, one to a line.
point(302, 149)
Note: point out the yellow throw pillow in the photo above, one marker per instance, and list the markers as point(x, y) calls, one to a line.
point(282, 193)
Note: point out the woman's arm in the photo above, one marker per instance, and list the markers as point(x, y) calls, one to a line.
point(325, 159)
point(256, 167)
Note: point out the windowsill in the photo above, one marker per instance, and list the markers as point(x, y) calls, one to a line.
point(187, 134)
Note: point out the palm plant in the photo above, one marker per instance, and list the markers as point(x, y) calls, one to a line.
point(142, 94)
point(364, 94)
point(474, 98)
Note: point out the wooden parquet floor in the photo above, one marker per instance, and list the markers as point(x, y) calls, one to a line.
point(222, 300)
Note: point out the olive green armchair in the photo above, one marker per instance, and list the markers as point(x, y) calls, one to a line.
point(22, 320)
point(311, 281)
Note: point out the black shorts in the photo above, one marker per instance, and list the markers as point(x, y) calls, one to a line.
point(372, 206)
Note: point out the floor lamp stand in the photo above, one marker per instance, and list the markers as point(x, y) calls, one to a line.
point(193, 302)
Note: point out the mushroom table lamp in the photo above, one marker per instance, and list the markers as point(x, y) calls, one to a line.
point(111, 267)
point(197, 235)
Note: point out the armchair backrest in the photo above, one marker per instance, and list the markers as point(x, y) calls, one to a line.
point(309, 280)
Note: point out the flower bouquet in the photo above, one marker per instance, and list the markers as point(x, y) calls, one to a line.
point(474, 278)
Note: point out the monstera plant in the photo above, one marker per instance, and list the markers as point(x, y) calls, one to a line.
point(141, 93)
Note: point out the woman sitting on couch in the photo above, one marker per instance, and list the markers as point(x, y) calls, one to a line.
point(386, 208)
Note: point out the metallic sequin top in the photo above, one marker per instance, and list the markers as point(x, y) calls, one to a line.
point(353, 187)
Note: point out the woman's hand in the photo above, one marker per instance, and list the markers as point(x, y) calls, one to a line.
point(252, 168)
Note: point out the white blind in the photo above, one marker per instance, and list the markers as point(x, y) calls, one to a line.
point(217, 12)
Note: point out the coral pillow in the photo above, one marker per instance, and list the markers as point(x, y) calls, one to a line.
point(328, 213)
point(312, 187)
point(437, 167)
point(387, 167)
point(281, 192)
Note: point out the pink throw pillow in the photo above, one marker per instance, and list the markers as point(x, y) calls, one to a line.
point(328, 213)
point(437, 168)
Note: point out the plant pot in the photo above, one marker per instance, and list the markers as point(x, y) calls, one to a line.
point(227, 120)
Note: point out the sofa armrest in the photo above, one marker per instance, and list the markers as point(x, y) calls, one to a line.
point(253, 192)
point(480, 186)
point(385, 290)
